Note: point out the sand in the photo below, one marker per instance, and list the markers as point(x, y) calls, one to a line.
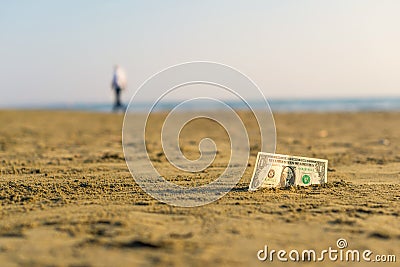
point(68, 199)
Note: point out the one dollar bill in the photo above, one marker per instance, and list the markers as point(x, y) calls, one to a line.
point(275, 170)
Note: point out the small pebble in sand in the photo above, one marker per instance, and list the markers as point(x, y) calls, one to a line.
point(323, 133)
point(384, 142)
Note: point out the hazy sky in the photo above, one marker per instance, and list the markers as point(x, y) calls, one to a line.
point(64, 51)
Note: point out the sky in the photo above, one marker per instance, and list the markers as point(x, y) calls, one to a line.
point(64, 51)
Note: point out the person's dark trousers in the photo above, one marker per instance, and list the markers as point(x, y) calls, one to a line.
point(117, 99)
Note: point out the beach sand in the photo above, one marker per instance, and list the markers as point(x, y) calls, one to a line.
point(68, 199)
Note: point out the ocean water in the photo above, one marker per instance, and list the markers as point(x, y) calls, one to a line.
point(277, 105)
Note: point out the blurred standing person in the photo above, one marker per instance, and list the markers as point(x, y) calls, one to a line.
point(118, 84)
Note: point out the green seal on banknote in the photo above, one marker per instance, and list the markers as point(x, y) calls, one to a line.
point(306, 179)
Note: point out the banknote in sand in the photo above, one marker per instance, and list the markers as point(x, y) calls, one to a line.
point(275, 170)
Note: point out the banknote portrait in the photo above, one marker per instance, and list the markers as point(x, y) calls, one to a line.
point(288, 176)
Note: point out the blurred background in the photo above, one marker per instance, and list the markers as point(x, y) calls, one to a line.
point(302, 54)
